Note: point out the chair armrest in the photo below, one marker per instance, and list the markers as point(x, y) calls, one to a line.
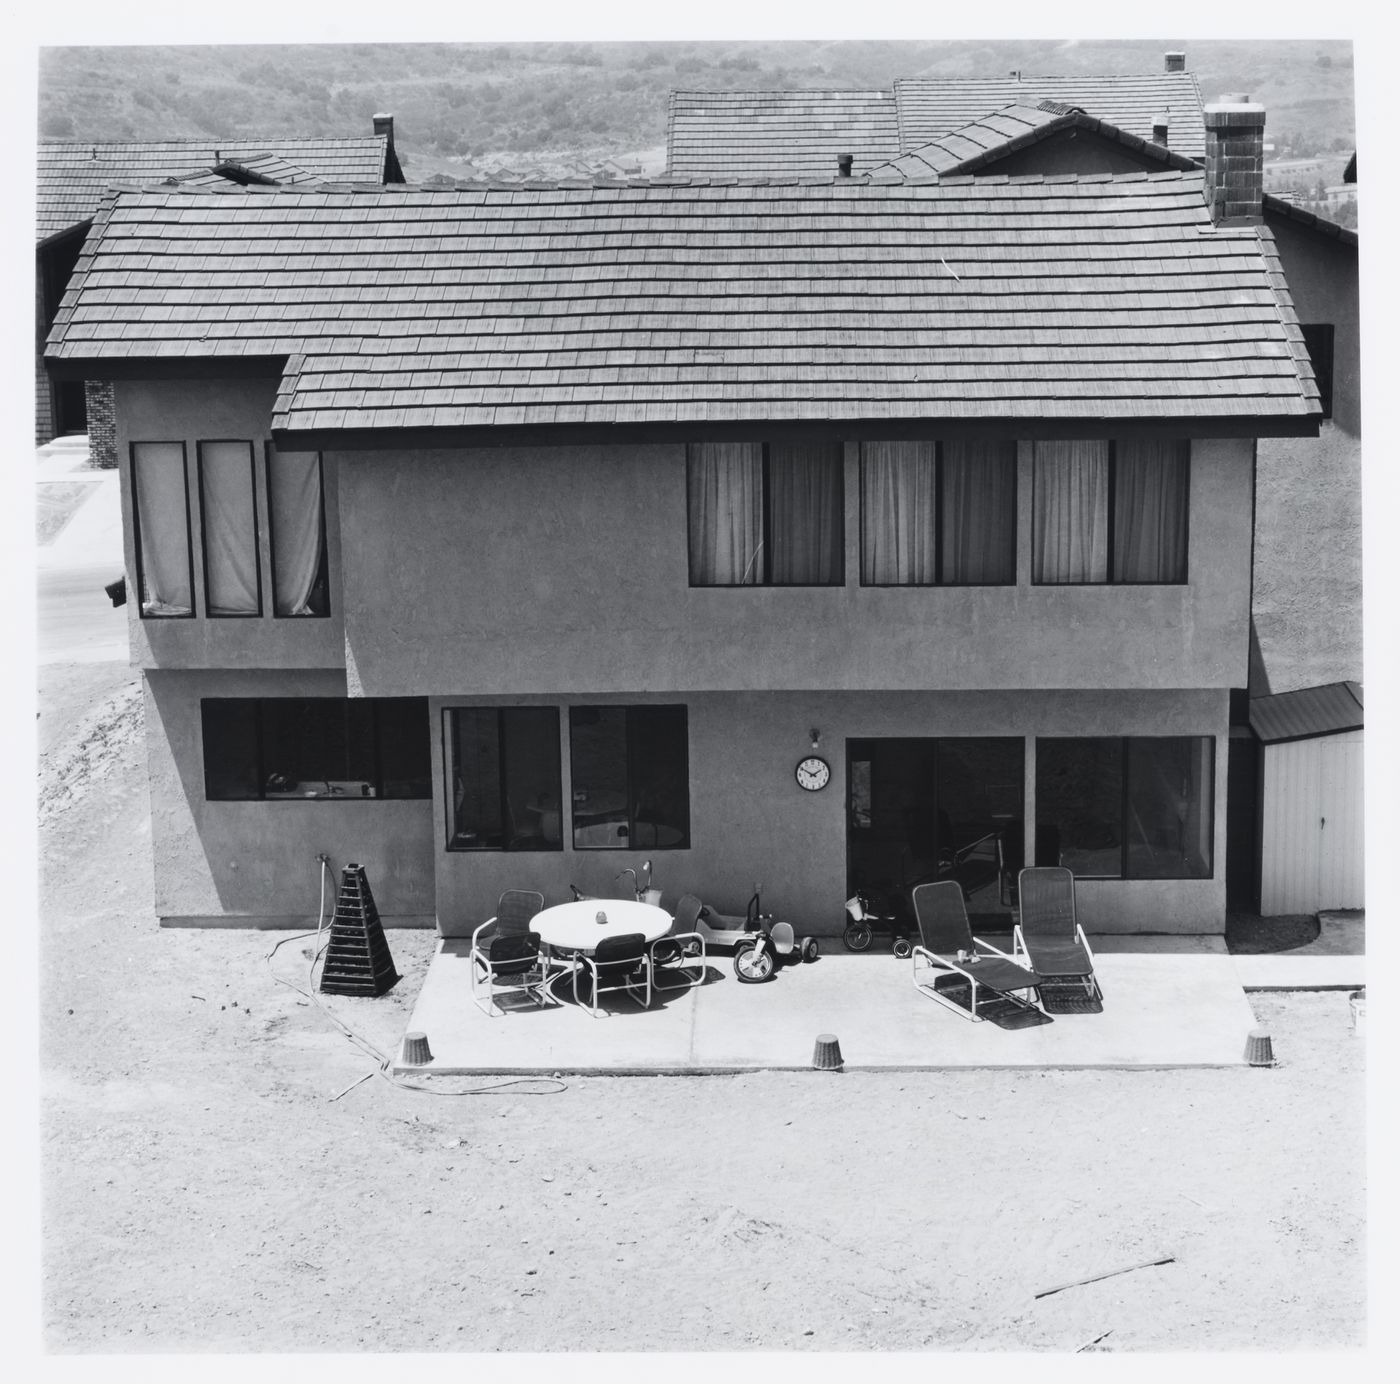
point(937, 960)
point(1018, 943)
point(1083, 941)
point(476, 935)
point(995, 951)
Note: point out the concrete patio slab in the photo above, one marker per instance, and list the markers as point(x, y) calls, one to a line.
point(1294, 970)
point(1161, 1009)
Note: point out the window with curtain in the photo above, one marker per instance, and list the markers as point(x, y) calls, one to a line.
point(1135, 807)
point(630, 770)
point(504, 785)
point(229, 526)
point(297, 532)
point(164, 565)
point(938, 513)
point(766, 514)
point(296, 749)
point(1110, 512)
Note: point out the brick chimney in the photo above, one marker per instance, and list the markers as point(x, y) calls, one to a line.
point(1176, 62)
point(1234, 159)
point(843, 165)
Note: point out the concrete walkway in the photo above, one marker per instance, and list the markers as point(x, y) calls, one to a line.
point(1177, 1007)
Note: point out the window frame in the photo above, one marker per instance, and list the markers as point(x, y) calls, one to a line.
point(1325, 335)
point(449, 741)
point(938, 541)
point(1111, 503)
point(766, 536)
point(260, 738)
point(1125, 800)
point(136, 526)
point(268, 449)
point(632, 797)
point(199, 446)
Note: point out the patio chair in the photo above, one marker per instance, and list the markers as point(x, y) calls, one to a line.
point(682, 950)
point(1050, 941)
point(622, 958)
point(976, 974)
point(508, 961)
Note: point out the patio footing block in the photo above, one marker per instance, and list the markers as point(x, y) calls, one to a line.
point(827, 1055)
point(1259, 1049)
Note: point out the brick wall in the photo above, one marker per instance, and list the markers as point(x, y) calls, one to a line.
point(102, 423)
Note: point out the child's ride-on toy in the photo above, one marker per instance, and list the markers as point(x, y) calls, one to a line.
point(760, 944)
point(863, 924)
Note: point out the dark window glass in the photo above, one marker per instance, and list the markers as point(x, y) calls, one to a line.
point(316, 748)
point(160, 493)
point(631, 777)
point(1110, 512)
point(766, 514)
point(1131, 808)
point(504, 790)
point(295, 499)
point(1318, 337)
point(230, 729)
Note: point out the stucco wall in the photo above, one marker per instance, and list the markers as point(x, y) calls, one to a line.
point(256, 861)
point(498, 571)
point(1307, 555)
point(1075, 151)
point(750, 821)
point(191, 411)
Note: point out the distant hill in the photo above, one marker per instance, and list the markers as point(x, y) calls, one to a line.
point(546, 103)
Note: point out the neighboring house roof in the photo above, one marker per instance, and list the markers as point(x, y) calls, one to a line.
point(74, 175)
point(267, 169)
point(1085, 299)
point(1307, 713)
point(1349, 172)
point(771, 133)
point(760, 133)
point(1281, 206)
point(994, 136)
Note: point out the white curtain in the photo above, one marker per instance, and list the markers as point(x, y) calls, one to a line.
point(807, 502)
point(1150, 496)
point(1071, 512)
point(979, 512)
point(162, 519)
point(898, 538)
point(726, 513)
point(229, 514)
point(298, 529)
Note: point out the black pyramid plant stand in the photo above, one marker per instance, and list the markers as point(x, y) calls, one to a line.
point(357, 958)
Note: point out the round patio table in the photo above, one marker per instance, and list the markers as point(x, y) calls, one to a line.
point(573, 927)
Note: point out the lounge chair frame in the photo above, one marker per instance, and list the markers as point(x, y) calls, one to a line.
point(1066, 921)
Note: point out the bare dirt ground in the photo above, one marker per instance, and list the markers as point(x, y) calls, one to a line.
point(203, 1192)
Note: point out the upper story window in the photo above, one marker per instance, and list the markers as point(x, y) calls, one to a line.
point(938, 513)
point(297, 524)
point(161, 504)
point(630, 767)
point(229, 524)
point(766, 514)
point(1319, 338)
point(318, 748)
point(1111, 512)
point(1140, 807)
point(504, 781)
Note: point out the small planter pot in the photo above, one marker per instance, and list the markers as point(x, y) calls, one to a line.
point(1358, 1013)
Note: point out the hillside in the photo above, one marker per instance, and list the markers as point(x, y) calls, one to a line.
point(543, 103)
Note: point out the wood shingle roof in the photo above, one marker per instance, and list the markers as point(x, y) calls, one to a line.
point(712, 301)
point(771, 133)
point(73, 176)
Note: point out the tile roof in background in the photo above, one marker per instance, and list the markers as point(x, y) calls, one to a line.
point(753, 133)
point(74, 175)
point(679, 302)
point(259, 168)
point(1308, 712)
point(770, 133)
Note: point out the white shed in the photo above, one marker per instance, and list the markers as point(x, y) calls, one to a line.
point(1311, 823)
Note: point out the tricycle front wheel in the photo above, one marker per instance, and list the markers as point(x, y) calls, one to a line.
point(755, 962)
point(856, 936)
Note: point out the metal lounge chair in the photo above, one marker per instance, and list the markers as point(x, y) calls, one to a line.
point(505, 954)
point(975, 974)
point(623, 957)
point(1050, 941)
point(681, 949)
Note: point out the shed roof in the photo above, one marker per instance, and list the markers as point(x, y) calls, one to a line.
point(1307, 713)
point(764, 133)
point(1083, 299)
point(73, 176)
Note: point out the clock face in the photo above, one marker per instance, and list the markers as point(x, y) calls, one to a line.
point(813, 774)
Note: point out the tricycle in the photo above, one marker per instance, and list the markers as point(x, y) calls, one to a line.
point(760, 943)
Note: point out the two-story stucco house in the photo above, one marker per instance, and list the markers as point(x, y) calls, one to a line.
point(506, 536)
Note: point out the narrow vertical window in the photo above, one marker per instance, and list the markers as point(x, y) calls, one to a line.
point(1071, 512)
point(899, 532)
point(296, 506)
point(1149, 511)
point(977, 496)
point(631, 777)
point(504, 779)
point(165, 570)
point(229, 525)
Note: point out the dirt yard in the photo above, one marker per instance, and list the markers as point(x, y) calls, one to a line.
point(203, 1191)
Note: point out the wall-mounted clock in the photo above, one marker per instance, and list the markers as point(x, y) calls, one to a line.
point(813, 774)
